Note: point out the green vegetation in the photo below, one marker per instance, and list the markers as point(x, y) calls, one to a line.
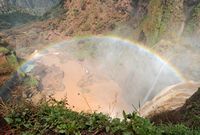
point(8, 61)
point(30, 81)
point(56, 11)
point(3, 50)
point(54, 117)
point(156, 22)
point(12, 60)
point(15, 18)
point(193, 22)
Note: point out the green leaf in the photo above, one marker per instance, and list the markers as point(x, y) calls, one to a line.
point(28, 125)
point(9, 120)
point(18, 119)
point(62, 131)
point(107, 129)
point(127, 133)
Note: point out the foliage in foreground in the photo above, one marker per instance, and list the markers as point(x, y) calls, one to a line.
point(55, 118)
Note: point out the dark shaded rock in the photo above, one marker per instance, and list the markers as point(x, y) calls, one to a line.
point(188, 114)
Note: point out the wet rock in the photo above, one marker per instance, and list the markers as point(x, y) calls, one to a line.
point(171, 98)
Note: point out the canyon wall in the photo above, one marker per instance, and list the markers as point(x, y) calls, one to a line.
point(157, 19)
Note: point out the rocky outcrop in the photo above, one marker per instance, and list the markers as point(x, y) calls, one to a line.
point(188, 114)
point(169, 99)
point(190, 111)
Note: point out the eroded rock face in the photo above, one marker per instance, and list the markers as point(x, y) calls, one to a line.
point(38, 7)
point(169, 99)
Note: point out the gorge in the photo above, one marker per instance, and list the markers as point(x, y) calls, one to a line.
point(111, 56)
